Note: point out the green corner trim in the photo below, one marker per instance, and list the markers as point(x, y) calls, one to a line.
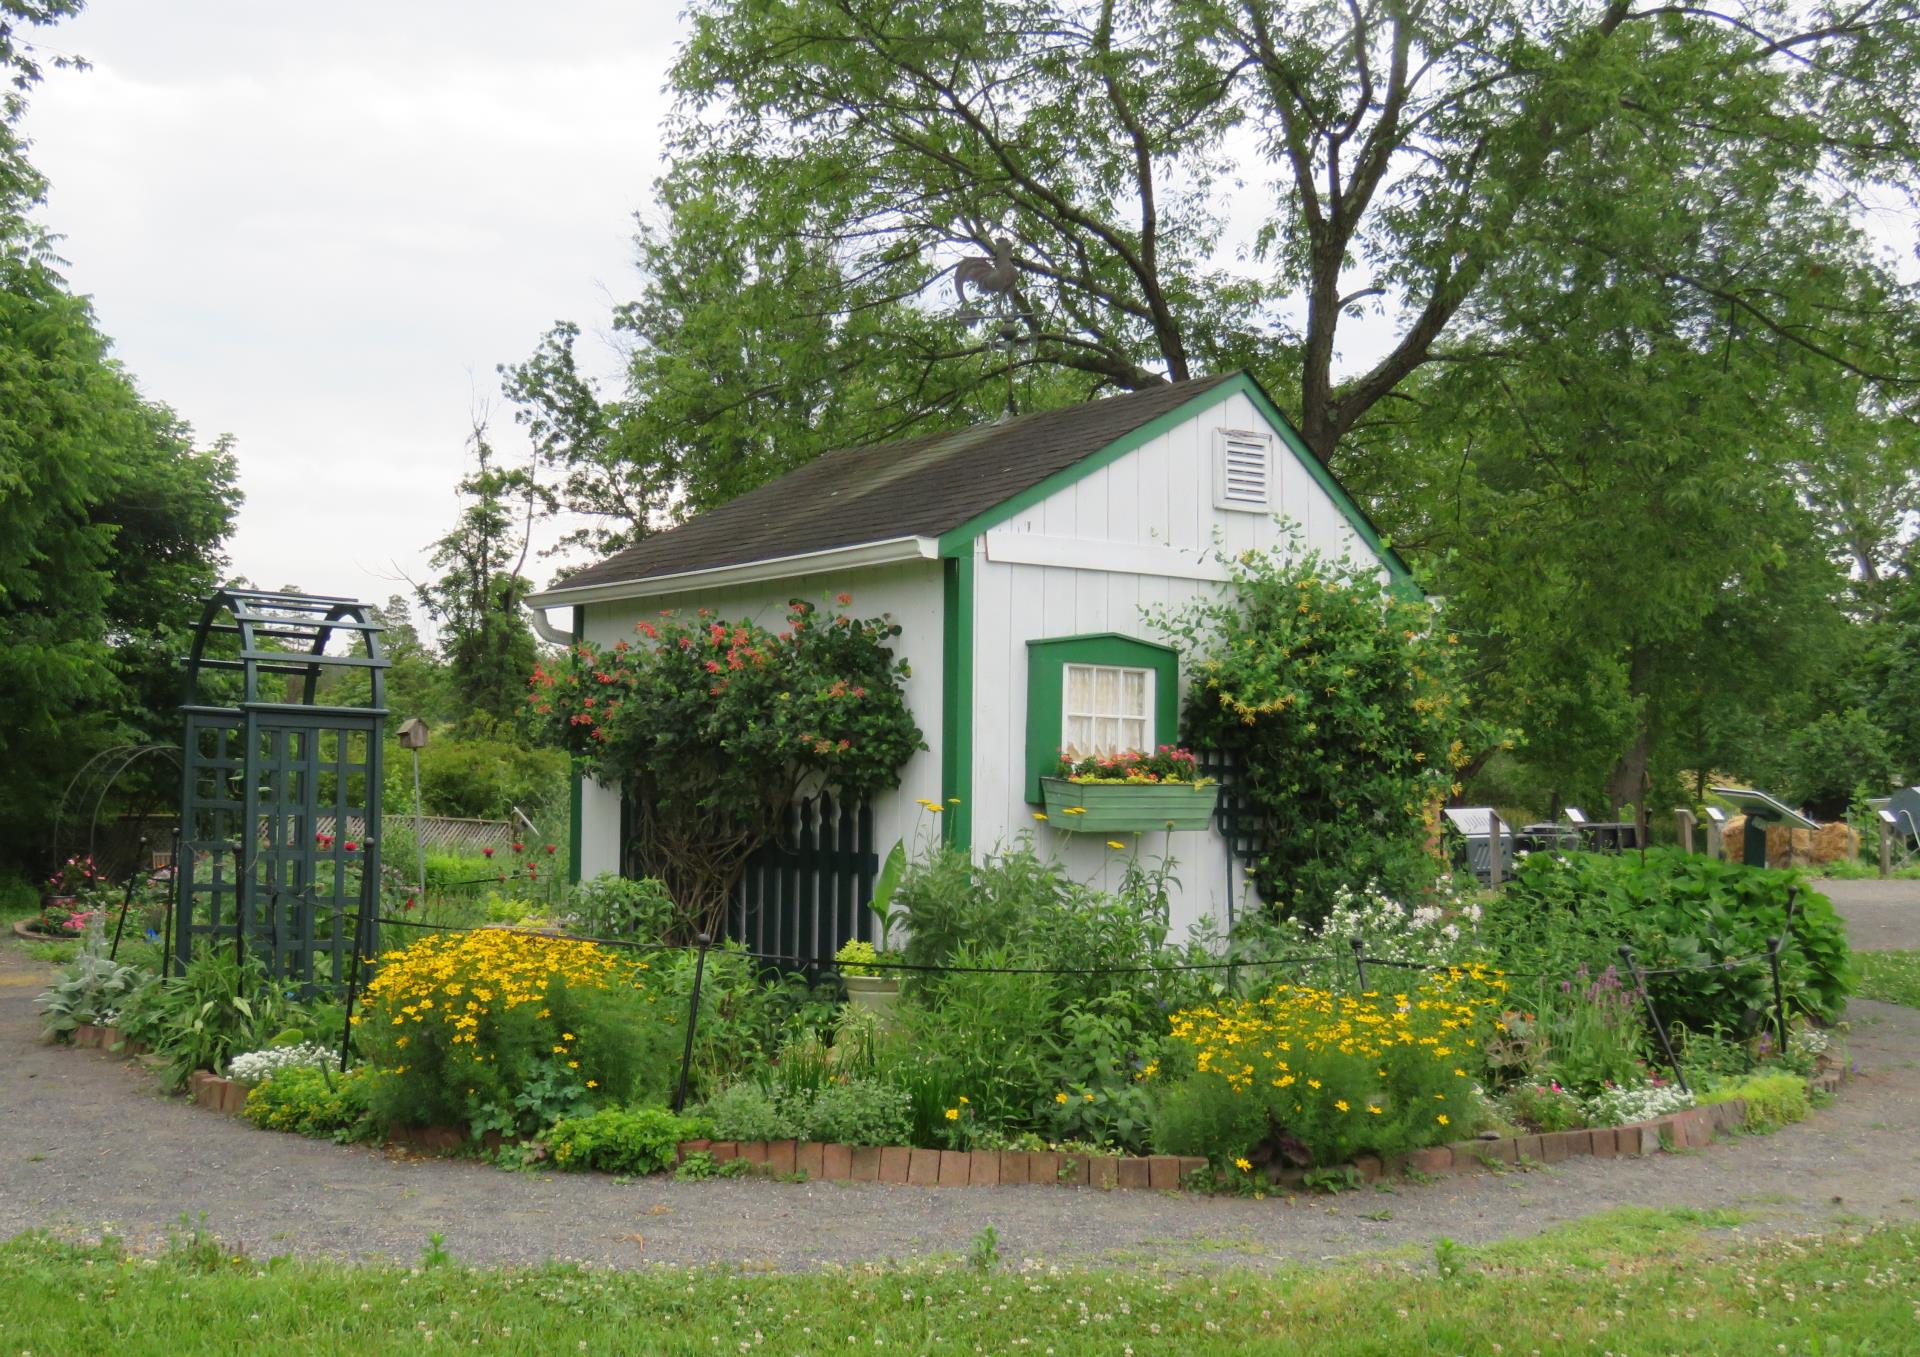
point(956, 699)
point(576, 832)
point(1047, 658)
point(957, 541)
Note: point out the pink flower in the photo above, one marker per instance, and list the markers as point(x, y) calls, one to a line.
point(486, 852)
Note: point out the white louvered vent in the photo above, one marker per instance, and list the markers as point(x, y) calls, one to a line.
point(1243, 470)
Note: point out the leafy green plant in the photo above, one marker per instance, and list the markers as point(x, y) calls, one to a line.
point(214, 1008)
point(983, 1254)
point(859, 1112)
point(613, 906)
point(747, 1111)
point(622, 1140)
point(1542, 1107)
point(313, 1102)
point(700, 1166)
point(1701, 925)
point(90, 989)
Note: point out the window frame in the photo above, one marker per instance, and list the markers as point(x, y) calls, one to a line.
point(1047, 661)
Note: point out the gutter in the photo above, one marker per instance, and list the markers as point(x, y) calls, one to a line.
point(888, 552)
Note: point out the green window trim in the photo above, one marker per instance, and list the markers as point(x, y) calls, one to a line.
point(1047, 659)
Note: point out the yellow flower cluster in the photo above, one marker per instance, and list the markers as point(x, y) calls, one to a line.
point(1325, 1054)
point(455, 979)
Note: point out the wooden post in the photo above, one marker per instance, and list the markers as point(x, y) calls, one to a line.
point(1493, 850)
point(1684, 818)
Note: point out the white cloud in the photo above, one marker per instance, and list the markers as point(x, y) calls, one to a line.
point(320, 228)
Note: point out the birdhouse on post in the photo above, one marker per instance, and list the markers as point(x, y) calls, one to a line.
point(413, 733)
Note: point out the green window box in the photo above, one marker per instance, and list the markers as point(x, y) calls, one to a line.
point(1106, 807)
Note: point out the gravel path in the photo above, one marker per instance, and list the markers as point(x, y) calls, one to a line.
point(1881, 916)
point(86, 1141)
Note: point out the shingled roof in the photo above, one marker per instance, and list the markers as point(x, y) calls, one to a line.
point(916, 487)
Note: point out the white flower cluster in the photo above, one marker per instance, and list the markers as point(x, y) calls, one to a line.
point(1808, 1042)
point(256, 1067)
point(1628, 1103)
point(1425, 936)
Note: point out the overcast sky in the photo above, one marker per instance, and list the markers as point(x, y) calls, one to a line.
point(320, 227)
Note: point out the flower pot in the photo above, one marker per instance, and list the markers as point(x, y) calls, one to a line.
point(876, 993)
point(1106, 807)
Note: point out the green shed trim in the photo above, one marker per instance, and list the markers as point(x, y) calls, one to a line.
point(1047, 658)
point(576, 832)
point(956, 541)
point(956, 700)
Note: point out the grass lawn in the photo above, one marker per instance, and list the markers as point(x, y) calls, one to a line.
point(1892, 977)
point(1639, 1282)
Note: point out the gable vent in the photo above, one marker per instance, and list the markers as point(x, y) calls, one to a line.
point(1243, 470)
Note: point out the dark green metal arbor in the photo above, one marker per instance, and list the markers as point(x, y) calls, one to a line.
point(280, 792)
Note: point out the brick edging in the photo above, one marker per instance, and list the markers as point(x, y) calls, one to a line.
point(1690, 1129)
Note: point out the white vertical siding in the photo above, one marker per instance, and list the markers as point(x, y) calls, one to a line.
point(910, 593)
point(1157, 497)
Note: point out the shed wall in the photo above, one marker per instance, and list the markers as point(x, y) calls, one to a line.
point(1096, 556)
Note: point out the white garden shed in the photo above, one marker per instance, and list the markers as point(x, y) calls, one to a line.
point(1019, 558)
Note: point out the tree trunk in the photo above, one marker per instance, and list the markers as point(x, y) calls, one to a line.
point(1629, 780)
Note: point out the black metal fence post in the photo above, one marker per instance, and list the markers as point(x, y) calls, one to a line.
point(1653, 1016)
point(362, 933)
point(126, 902)
point(173, 906)
point(703, 941)
point(1779, 996)
point(1359, 959)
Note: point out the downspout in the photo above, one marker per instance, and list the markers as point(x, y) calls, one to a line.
point(545, 630)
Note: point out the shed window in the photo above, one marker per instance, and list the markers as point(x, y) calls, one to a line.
point(1106, 710)
point(1097, 694)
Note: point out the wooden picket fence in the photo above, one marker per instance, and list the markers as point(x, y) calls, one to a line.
point(804, 896)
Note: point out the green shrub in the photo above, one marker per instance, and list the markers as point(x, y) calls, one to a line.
point(1773, 1100)
point(1340, 702)
point(613, 906)
point(859, 1112)
point(746, 1111)
point(486, 779)
point(627, 1140)
point(311, 1102)
point(1680, 911)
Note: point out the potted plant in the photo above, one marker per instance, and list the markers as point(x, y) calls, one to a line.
point(1130, 791)
point(866, 988)
point(64, 912)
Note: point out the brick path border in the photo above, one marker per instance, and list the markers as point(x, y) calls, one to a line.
point(1691, 1129)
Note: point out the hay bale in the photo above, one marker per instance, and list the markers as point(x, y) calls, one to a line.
point(1733, 838)
point(1835, 842)
point(1789, 847)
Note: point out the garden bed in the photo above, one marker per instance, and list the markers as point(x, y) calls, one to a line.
point(1690, 1129)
